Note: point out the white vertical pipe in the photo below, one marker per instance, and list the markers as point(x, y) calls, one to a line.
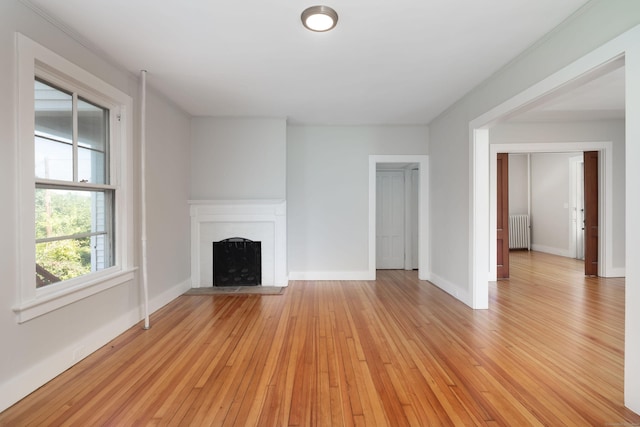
point(529, 185)
point(529, 198)
point(143, 193)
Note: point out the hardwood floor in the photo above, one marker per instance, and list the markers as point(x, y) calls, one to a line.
point(396, 352)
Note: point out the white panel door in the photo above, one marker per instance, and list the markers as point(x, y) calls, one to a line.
point(390, 232)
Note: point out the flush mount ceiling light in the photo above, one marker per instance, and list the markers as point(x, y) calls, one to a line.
point(319, 18)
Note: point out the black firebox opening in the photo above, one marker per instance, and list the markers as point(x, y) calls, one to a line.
point(237, 261)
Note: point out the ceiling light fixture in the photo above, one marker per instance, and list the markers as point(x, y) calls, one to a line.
point(319, 18)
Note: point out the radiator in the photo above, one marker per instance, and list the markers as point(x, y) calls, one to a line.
point(519, 232)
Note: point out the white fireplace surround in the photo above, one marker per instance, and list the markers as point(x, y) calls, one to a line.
point(259, 220)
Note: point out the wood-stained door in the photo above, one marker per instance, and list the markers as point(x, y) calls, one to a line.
point(502, 225)
point(591, 213)
point(390, 220)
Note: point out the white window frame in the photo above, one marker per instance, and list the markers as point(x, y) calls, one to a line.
point(34, 60)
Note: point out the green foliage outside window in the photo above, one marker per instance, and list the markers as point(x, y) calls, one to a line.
point(63, 213)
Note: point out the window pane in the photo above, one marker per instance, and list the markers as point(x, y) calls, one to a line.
point(91, 166)
point(53, 122)
point(53, 111)
point(54, 160)
point(64, 213)
point(93, 125)
point(62, 260)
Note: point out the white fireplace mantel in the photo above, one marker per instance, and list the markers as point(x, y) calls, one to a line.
point(258, 220)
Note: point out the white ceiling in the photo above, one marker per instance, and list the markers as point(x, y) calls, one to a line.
point(598, 99)
point(400, 62)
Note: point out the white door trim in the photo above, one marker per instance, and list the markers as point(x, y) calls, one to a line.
point(423, 210)
point(408, 224)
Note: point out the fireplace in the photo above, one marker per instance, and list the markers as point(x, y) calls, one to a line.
point(237, 261)
point(263, 221)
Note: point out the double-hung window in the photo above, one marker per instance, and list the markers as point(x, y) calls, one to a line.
point(74, 199)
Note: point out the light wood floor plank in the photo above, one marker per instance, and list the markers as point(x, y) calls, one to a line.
point(395, 351)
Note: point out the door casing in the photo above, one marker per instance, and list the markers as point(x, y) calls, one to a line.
point(423, 210)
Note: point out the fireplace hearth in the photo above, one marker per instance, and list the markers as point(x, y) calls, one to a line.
point(237, 261)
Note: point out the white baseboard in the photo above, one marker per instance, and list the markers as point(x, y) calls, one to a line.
point(16, 388)
point(551, 250)
point(452, 289)
point(330, 275)
point(169, 295)
point(424, 275)
point(616, 272)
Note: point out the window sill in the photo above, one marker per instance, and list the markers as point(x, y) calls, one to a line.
point(50, 301)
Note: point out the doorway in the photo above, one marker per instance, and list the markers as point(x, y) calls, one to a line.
point(420, 164)
point(549, 188)
point(604, 247)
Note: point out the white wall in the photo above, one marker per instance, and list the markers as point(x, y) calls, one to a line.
point(457, 265)
point(327, 193)
point(540, 132)
point(168, 169)
point(550, 202)
point(449, 203)
point(518, 184)
point(238, 158)
point(39, 349)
